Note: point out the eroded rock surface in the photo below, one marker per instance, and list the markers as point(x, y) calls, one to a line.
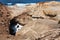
point(41, 21)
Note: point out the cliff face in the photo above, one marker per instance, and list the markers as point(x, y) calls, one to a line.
point(45, 18)
point(4, 16)
point(4, 21)
point(42, 21)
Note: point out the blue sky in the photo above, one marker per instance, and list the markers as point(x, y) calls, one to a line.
point(22, 1)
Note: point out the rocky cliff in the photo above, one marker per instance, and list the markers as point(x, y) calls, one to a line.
point(43, 21)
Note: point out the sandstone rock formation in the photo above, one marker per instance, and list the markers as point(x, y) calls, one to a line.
point(42, 29)
point(41, 21)
point(43, 9)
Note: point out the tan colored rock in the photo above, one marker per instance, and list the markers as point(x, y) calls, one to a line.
point(40, 29)
point(15, 10)
point(34, 29)
point(45, 8)
point(24, 18)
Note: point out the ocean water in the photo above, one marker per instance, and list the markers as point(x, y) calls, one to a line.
point(23, 1)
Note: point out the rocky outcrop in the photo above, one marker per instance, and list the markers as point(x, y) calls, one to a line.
point(42, 29)
point(41, 21)
point(4, 17)
point(45, 9)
